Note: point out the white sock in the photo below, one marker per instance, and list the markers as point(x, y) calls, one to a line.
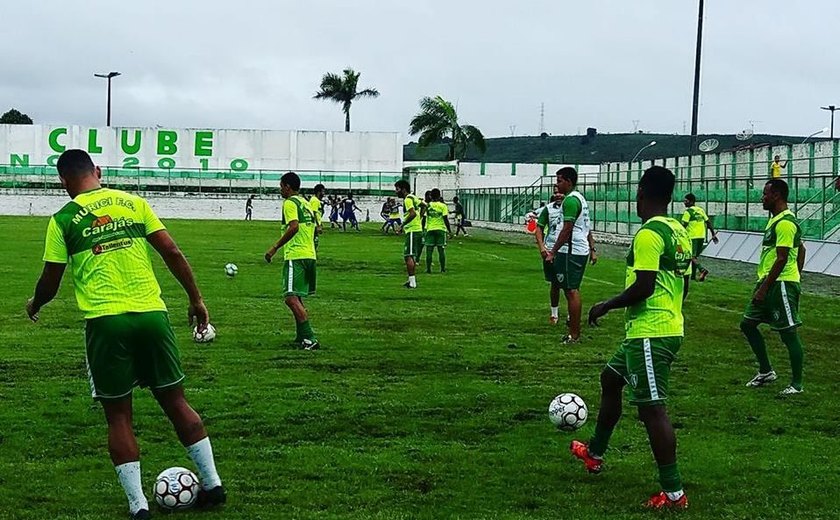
point(412, 281)
point(555, 312)
point(676, 495)
point(201, 454)
point(129, 475)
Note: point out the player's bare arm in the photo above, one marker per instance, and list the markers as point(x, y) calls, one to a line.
point(180, 268)
point(45, 289)
point(712, 231)
point(291, 230)
point(593, 253)
point(641, 290)
point(800, 257)
point(564, 237)
point(412, 214)
point(778, 266)
point(448, 226)
point(540, 238)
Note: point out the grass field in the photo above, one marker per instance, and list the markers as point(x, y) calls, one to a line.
point(421, 404)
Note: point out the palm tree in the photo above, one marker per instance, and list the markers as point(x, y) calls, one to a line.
point(342, 89)
point(437, 120)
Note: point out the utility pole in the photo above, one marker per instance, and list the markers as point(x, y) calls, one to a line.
point(696, 104)
point(832, 108)
point(109, 77)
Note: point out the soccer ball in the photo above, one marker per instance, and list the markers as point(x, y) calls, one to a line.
point(231, 270)
point(176, 488)
point(207, 336)
point(568, 412)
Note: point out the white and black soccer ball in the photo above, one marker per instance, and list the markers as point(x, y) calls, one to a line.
point(176, 488)
point(208, 335)
point(231, 270)
point(568, 412)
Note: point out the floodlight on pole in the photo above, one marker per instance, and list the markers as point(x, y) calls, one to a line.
point(832, 108)
point(643, 148)
point(109, 77)
point(818, 132)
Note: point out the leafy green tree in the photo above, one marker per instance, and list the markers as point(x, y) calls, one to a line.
point(342, 89)
point(14, 117)
point(437, 122)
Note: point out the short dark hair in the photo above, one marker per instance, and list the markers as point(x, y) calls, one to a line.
point(403, 184)
point(291, 180)
point(690, 198)
point(435, 193)
point(657, 183)
point(455, 198)
point(779, 186)
point(74, 163)
point(319, 187)
point(568, 173)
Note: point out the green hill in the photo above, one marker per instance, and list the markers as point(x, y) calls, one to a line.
point(591, 149)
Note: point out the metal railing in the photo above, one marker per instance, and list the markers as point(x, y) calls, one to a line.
point(732, 203)
point(38, 179)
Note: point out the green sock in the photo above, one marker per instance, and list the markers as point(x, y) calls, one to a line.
point(669, 478)
point(756, 341)
point(298, 335)
point(791, 340)
point(306, 331)
point(442, 257)
point(429, 259)
point(598, 443)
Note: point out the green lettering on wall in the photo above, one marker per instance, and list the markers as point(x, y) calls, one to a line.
point(19, 160)
point(54, 144)
point(203, 144)
point(93, 146)
point(52, 160)
point(132, 148)
point(166, 140)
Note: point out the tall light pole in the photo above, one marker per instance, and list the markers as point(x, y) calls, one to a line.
point(108, 77)
point(643, 148)
point(696, 104)
point(832, 108)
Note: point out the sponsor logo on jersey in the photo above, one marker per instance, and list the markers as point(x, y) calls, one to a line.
point(113, 245)
point(106, 224)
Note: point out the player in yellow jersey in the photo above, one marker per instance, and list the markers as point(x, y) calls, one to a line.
point(299, 258)
point(776, 167)
point(696, 221)
point(775, 299)
point(104, 236)
point(413, 229)
point(656, 283)
point(317, 205)
point(437, 229)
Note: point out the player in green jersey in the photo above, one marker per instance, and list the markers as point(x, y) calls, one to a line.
point(412, 228)
point(437, 228)
point(317, 205)
point(104, 236)
point(775, 300)
point(696, 221)
point(656, 284)
point(299, 258)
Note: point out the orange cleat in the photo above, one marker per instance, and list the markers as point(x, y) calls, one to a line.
point(581, 451)
point(661, 502)
point(553, 320)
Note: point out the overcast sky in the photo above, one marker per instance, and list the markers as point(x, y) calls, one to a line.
point(256, 64)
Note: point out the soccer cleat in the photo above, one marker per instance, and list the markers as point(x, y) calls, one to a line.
point(791, 390)
point(408, 285)
point(660, 502)
point(310, 344)
point(211, 497)
point(762, 379)
point(703, 274)
point(569, 340)
point(141, 514)
point(553, 320)
point(581, 451)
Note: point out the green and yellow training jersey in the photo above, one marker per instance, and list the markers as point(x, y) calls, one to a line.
point(416, 224)
point(781, 231)
point(102, 234)
point(694, 219)
point(661, 245)
point(302, 244)
point(435, 216)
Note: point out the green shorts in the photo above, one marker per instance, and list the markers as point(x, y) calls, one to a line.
point(131, 349)
point(697, 247)
point(436, 238)
point(646, 366)
point(569, 270)
point(299, 277)
point(780, 308)
point(413, 244)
